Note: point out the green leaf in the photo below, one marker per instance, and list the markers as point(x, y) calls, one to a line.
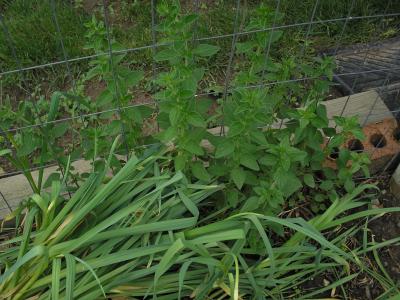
point(59, 129)
point(189, 19)
point(268, 160)
point(93, 273)
point(52, 177)
point(180, 162)
point(193, 147)
point(55, 282)
point(196, 119)
point(259, 137)
point(104, 98)
point(287, 182)
point(205, 50)
point(249, 162)
point(28, 145)
point(224, 148)
point(166, 54)
point(326, 185)
point(134, 114)
point(93, 72)
point(218, 169)
point(336, 141)
point(321, 112)
point(309, 180)
point(167, 135)
point(70, 277)
point(349, 185)
point(329, 132)
point(200, 172)
point(359, 134)
point(189, 87)
point(36, 251)
point(182, 274)
point(5, 152)
point(167, 259)
point(198, 73)
point(238, 175)
point(235, 129)
point(174, 116)
point(54, 104)
point(296, 154)
point(232, 196)
point(112, 128)
point(320, 198)
point(134, 78)
point(251, 204)
point(275, 35)
point(244, 47)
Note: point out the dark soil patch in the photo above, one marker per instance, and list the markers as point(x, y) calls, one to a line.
point(334, 92)
point(5, 166)
point(386, 228)
point(93, 88)
point(364, 286)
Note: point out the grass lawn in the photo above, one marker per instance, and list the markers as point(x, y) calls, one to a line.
point(35, 39)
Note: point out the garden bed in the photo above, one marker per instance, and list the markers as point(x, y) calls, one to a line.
point(180, 184)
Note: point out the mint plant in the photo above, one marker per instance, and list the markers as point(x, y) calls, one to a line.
point(182, 119)
point(115, 99)
point(278, 138)
point(274, 145)
point(39, 145)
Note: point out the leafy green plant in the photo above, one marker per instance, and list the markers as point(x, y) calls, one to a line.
point(57, 231)
point(183, 120)
point(39, 143)
point(274, 146)
point(139, 235)
point(119, 80)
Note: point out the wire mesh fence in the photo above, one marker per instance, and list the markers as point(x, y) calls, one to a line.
point(383, 64)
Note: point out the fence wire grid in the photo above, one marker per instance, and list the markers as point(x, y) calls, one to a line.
point(377, 65)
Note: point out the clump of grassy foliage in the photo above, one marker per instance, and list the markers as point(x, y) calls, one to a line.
point(139, 235)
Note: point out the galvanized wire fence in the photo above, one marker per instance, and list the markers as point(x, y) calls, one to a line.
point(365, 68)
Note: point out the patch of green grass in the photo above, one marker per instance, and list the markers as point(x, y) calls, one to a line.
point(328, 34)
point(132, 28)
point(34, 34)
point(36, 41)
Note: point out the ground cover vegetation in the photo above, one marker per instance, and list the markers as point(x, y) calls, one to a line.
point(195, 214)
